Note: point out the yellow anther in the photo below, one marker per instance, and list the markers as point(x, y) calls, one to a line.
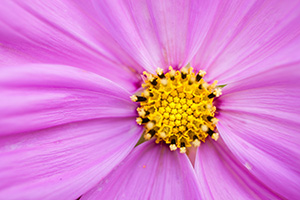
point(139, 120)
point(204, 128)
point(202, 73)
point(204, 85)
point(141, 112)
point(149, 125)
point(184, 70)
point(173, 147)
point(215, 136)
point(164, 82)
point(214, 120)
point(177, 108)
point(192, 80)
point(159, 71)
point(182, 150)
point(162, 134)
point(133, 98)
point(146, 93)
point(196, 143)
point(217, 92)
point(147, 136)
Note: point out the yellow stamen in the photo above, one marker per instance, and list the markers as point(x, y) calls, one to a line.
point(182, 150)
point(177, 108)
point(133, 98)
point(196, 143)
point(173, 147)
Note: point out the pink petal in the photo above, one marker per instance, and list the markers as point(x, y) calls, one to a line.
point(61, 32)
point(151, 171)
point(66, 161)
point(157, 33)
point(247, 37)
point(40, 96)
point(259, 121)
point(222, 176)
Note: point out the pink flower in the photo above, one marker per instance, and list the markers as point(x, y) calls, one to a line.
point(67, 124)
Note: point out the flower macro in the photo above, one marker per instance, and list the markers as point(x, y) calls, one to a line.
point(188, 99)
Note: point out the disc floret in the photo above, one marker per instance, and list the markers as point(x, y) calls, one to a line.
point(177, 108)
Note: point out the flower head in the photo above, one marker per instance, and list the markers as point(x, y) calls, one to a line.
point(69, 129)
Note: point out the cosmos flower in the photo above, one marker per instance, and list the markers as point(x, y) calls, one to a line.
point(68, 126)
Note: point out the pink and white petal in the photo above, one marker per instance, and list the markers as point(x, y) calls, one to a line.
point(40, 96)
point(63, 162)
point(151, 171)
point(222, 176)
point(260, 123)
point(247, 35)
point(158, 33)
point(60, 32)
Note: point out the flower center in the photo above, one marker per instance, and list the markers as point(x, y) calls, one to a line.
point(177, 108)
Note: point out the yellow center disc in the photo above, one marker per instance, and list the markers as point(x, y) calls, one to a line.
point(177, 108)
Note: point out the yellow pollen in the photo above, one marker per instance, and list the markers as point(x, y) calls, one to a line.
point(173, 147)
point(196, 143)
point(182, 150)
point(177, 108)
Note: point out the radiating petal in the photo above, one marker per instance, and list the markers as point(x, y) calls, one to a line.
point(60, 32)
point(40, 96)
point(65, 161)
point(158, 33)
point(247, 37)
point(151, 171)
point(222, 176)
point(260, 123)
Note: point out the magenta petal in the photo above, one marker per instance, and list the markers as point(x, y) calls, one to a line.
point(249, 36)
point(63, 162)
point(222, 176)
point(60, 32)
point(260, 123)
point(158, 33)
point(40, 96)
point(151, 171)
